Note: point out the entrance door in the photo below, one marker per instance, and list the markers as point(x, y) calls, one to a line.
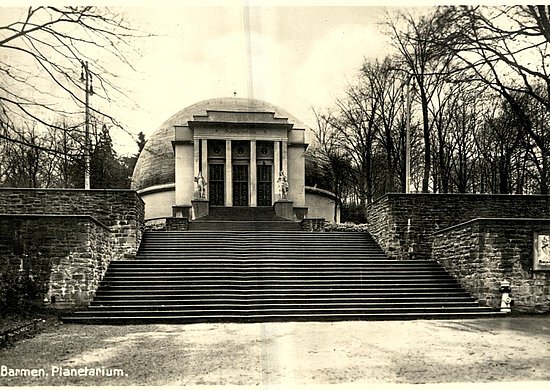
point(264, 185)
point(240, 185)
point(216, 184)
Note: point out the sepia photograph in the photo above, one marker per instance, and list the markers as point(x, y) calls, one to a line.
point(275, 194)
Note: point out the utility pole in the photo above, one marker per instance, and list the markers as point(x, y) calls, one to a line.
point(408, 140)
point(86, 78)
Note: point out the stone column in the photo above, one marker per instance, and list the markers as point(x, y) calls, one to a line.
point(284, 155)
point(228, 175)
point(196, 154)
point(276, 169)
point(205, 164)
point(253, 180)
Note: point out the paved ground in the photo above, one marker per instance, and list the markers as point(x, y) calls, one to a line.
point(287, 354)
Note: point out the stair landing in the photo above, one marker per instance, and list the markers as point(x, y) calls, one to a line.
point(243, 219)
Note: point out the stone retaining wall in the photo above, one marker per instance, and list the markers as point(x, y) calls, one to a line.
point(403, 224)
point(65, 256)
point(122, 211)
point(66, 238)
point(482, 253)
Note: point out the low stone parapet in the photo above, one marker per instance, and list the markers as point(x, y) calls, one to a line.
point(177, 224)
point(122, 211)
point(313, 224)
point(403, 224)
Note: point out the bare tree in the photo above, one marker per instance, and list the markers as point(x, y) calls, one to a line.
point(42, 55)
point(505, 48)
point(426, 64)
point(389, 118)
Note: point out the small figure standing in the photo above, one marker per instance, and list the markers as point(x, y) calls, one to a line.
point(282, 183)
point(201, 186)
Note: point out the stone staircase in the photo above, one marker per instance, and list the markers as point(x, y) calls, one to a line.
point(255, 276)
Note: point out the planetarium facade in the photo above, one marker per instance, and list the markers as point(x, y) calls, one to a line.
point(228, 152)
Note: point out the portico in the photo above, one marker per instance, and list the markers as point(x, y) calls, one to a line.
point(228, 152)
point(241, 155)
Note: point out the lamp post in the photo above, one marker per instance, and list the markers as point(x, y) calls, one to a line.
point(86, 78)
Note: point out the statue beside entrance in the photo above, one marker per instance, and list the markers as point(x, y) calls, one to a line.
point(282, 185)
point(200, 187)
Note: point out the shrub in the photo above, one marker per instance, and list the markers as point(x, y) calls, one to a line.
point(352, 212)
point(19, 291)
point(345, 227)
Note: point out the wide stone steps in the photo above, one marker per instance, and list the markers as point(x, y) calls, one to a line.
point(267, 283)
point(243, 276)
point(221, 310)
point(376, 287)
point(187, 318)
point(304, 301)
point(174, 295)
point(229, 270)
point(276, 275)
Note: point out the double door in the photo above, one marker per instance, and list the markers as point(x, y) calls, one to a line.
point(240, 184)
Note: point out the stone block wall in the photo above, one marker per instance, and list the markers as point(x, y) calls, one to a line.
point(66, 256)
point(122, 211)
point(482, 253)
point(66, 238)
point(176, 224)
point(403, 224)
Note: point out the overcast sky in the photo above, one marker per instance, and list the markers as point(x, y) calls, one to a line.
point(296, 57)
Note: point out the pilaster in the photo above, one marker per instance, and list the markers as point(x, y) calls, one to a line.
point(276, 170)
point(253, 179)
point(228, 175)
point(204, 164)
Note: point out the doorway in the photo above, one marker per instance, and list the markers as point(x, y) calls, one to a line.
point(264, 180)
point(240, 185)
point(216, 184)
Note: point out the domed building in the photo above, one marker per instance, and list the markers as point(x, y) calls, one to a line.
point(228, 152)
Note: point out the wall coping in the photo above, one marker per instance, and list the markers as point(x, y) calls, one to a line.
point(103, 190)
point(478, 220)
point(172, 186)
point(470, 195)
point(73, 216)
point(157, 188)
point(320, 191)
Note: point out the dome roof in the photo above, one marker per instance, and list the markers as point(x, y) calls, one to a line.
point(155, 165)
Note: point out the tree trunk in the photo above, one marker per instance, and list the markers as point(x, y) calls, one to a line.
point(544, 176)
